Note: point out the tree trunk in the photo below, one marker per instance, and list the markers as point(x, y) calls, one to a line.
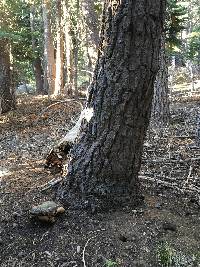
point(76, 48)
point(67, 39)
point(69, 63)
point(160, 107)
point(6, 96)
point(48, 49)
point(38, 70)
point(37, 64)
point(106, 160)
point(92, 20)
point(59, 50)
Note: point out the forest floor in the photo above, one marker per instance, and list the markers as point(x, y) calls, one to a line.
point(164, 231)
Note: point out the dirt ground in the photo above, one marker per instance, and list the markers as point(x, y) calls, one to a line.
point(164, 231)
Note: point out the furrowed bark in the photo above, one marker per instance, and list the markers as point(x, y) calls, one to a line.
point(107, 157)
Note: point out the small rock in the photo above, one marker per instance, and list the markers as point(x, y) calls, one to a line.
point(122, 238)
point(158, 205)
point(78, 249)
point(139, 263)
point(169, 226)
point(48, 253)
point(21, 254)
point(1, 241)
point(16, 215)
point(129, 247)
point(14, 225)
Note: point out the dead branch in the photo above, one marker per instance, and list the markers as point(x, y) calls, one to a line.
point(60, 151)
point(86, 244)
point(83, 257)
point(60, 102)
point(171, 185)
point(50, 184)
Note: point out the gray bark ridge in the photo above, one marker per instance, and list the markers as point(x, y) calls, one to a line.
point(107, 157)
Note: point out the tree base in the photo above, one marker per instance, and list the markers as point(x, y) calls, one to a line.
point(95, 203)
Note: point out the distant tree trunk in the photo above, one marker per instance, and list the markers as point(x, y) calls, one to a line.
point(76, 47)
point(38, 70)
point(160, 107)
point(37, 64)
point(91, 24)
point(59, 83)
point(6, 96)
point(92, 20)
point(48, 49)
point(107, 158)
point(68, 49)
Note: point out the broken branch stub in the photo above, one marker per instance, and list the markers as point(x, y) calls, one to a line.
point(59, 155)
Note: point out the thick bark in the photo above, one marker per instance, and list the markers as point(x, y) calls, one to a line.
point(160, 107)
point(6, 96)
point(37, 64)
point(59, 50)
point(107, 158)
point(49, 60)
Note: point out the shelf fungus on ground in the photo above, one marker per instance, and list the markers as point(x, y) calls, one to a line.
point(46, 211)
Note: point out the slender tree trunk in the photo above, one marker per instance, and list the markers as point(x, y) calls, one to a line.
point(91, 20)
point(76, 48)
point(38, 70)
point(48, 48)
point(59, 84)
point(160, 107)
point(37, 64)
point(107, 158)
point(68, 50)
point(6, 96)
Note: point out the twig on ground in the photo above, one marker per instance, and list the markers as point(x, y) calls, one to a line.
point(189, 175)
point(83, 257)
point(86, 244)
point(183, 189)
point(50, 184)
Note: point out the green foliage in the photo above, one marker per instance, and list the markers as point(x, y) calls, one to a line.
point(193, 52)
point(165, 254)
point(175, 22)
point(110, 263)
point(15, 25)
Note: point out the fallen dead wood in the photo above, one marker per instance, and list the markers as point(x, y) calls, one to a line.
point(184, 189)
point(60, 152)
point(74, 100)
point(51, 184)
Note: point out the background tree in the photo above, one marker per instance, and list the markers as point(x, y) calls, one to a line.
point(174, 24)
point(6, 93)
point(160, 108)
point(106, 161)
point(37, 62)
point(49, 60)
point(59, 82)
